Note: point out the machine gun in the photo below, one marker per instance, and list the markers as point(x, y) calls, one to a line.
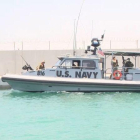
point(95, 42)
point(123, 62)
point(27, 66)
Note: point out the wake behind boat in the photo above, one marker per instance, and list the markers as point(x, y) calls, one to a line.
point(80, 73)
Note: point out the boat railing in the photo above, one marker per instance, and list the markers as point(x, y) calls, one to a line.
point(74, 67)
point(123, 71)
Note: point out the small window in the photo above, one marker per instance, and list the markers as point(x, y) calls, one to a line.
point(76, 64)
point(67, 64)
point(88, 64)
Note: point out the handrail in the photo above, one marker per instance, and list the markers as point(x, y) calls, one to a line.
point(60, 66)
point(122, 69)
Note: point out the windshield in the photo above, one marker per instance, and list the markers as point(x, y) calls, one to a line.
point(58, 63)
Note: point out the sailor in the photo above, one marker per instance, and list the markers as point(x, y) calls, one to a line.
point(73, 65)
point(114, 64)
point(41, 66)
point(128, 65)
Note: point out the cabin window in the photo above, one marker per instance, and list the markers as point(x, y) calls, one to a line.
point(76, 64)
point(88, 64)
point(67, 64)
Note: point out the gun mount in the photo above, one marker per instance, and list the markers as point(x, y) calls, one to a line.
point(95, 42)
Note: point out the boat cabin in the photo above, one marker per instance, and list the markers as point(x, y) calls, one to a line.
point(73, 67)
point(79, 67)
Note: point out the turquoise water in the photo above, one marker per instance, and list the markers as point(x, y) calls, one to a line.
point(69, 116)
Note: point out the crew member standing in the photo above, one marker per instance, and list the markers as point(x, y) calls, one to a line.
point(41, 66)
point(114, 64)
point(128, 64)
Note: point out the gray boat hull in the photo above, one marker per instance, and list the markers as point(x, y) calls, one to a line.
point(35, 84)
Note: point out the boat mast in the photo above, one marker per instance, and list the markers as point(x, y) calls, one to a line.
point(74, 40)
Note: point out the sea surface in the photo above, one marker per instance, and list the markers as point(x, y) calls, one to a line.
point(69, 116)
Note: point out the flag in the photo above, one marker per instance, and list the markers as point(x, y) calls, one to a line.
point(100, 51)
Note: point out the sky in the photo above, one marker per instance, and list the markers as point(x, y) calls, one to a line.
point(42, 24)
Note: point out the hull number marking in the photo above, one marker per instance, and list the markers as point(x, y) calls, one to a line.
point(40, 73)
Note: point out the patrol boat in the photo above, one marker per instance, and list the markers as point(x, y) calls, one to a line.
point(79, 74)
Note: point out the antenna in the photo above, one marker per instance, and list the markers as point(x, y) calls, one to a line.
point(102, 37)
point(92, 29)
point(77, 24)
point(74, 41)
